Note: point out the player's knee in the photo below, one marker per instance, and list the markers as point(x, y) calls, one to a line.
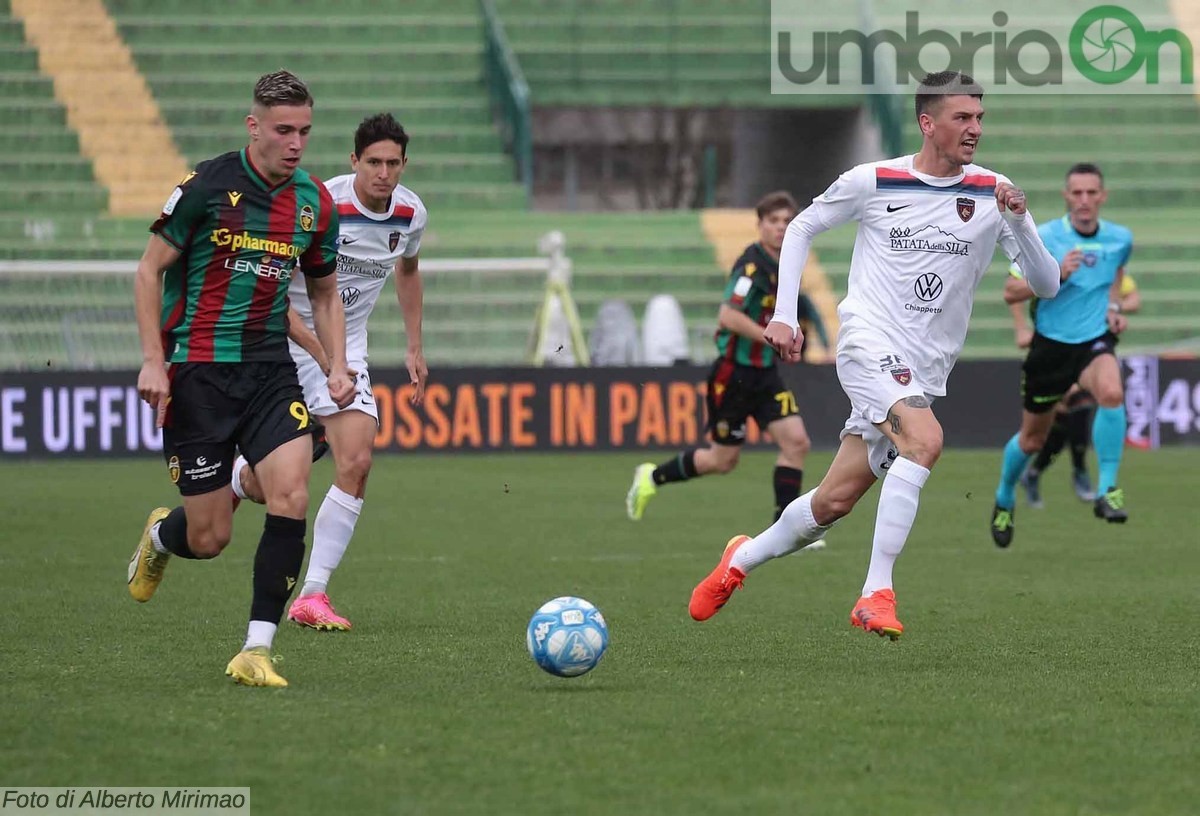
point(208, 542)
point(1031, 440)
point(356, 467)
point(250, 485)
point(1110, 395)
point(290, 501)
point(726, 460)
point(795, 446)
point(832, 503)
point(924, 447)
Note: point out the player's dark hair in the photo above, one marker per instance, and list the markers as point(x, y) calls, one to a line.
point(936, 87)
point(378, 128)
point(1082, 168)
point(281, 88)
point(778, 200)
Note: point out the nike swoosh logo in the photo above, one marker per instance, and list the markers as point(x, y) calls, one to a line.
point(344, 241)
point(890, 208)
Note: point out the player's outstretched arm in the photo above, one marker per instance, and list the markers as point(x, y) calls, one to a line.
point(1016, 290)
point(305, 338)
point(329, 319)
point(153, 386)
point(410, 290)
point(840, 203)
point(1041, 270)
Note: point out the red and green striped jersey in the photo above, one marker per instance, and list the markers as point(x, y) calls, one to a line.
point(751, 289)
point(240, 239)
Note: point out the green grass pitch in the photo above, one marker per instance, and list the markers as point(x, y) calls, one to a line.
point(1058, 677)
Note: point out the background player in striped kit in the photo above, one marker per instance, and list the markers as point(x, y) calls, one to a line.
point(229, 239)
point(381, 226)
point(744, 381)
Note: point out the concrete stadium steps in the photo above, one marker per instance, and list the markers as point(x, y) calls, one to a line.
point(614, 52)
point(41, 165)
point(96, 82)
point(423, 65)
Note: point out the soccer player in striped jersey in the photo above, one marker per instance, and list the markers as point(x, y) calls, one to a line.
point(211, 301)
point(928, 226)
point(381, 226)
point(744, 381)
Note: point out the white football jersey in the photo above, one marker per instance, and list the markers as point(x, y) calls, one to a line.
point(369, 246)
point(922, 248)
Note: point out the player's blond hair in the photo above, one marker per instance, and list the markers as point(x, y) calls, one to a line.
point(281, 88)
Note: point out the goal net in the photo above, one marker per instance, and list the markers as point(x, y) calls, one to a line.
point(78, 315)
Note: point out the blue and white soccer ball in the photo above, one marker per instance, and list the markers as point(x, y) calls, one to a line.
point(567, 636)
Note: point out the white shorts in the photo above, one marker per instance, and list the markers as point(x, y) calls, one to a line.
point(875, 377)
point(316, 389)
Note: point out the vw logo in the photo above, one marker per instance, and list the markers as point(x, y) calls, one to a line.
point(350, 295)
point(928, 287)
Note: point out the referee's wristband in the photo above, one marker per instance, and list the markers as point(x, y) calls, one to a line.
point(1114, 307)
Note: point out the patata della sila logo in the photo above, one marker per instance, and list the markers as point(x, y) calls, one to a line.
point(1107, 45)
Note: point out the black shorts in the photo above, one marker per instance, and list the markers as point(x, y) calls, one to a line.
point(217, 407)
point(736, 392)
point(1051, 368)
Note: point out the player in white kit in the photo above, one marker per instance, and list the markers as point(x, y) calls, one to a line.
point(928, 227)
point(381, 226)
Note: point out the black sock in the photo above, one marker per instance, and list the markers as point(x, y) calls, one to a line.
point(787, 487)
point(172, 532)
point(1055, 441)
point(679, 469)
point(1079, 432)
point(276, 566)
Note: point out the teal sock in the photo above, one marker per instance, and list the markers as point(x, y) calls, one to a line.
point(1015, 461)
point(1108, 437)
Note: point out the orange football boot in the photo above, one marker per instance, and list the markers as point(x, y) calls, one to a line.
point(713, 592)
point(877, 613)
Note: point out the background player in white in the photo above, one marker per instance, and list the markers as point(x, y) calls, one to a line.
point(928, 227)
point(381, 226)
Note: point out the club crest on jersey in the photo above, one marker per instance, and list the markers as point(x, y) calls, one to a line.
point(307, 217)
point(902, 375)
point(966, 208)
point(393, 241)
point(173, 469)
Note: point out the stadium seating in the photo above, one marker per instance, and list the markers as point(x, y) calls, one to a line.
point(41, 167)
point(613, 52)
point(421, 62)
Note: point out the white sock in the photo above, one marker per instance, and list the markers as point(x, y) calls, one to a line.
point(331, 535)
point(236, 481)
point(156, 541)
point(260, 633)
point(795, 529)
point(898, 500)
